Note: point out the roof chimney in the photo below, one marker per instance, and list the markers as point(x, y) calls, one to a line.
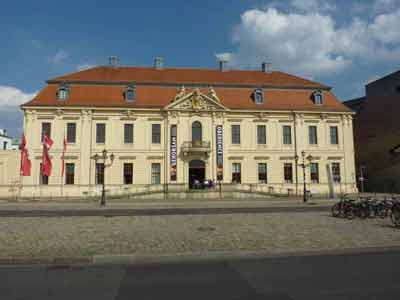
point(222, 64)
point(266, 67)
point(113, 61)
point(158, 63)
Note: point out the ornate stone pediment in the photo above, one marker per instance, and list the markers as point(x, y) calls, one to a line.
point(196, 101)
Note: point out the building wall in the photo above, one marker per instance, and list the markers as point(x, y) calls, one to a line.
point(9, 173)
point(142, 152)
point(377, 132)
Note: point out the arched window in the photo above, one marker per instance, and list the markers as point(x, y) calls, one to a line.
point(258, 96)
point(197, 133)
point(63, 92)
point(318, 97)
point(130, 93)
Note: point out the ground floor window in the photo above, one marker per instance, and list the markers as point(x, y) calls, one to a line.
point(236, 173)
point(155, 173)
point(288, 172)
point(336, 172)
point(128, 173)
point(43, 178)
point(69, 173)
point(314, 172)
point(262, 173)
point(99, 173)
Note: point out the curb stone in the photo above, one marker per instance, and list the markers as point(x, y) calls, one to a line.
point(129, 259)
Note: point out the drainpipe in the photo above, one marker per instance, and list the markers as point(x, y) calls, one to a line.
point(295, 152)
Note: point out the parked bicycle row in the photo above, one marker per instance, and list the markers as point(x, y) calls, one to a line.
point(368, 207)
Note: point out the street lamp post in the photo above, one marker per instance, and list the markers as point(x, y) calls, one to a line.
point(303, 165)
point(104, 157)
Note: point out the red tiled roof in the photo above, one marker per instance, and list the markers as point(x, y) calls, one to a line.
point(187, 76)
point(149, 96)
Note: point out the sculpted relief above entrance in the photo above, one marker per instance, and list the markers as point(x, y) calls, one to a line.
point(196, 100)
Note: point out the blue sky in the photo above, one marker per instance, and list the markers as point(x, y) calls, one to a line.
point(341, 43)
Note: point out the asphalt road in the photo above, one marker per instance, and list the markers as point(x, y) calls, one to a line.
point(113, 212)
point(350, 276)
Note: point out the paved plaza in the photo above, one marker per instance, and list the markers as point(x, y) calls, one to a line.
point(179, 234)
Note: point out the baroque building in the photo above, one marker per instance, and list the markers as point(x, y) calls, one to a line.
point(172, 128)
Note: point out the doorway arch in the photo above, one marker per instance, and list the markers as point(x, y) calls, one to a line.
point(197, 173)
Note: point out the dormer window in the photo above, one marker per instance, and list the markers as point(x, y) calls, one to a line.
point(130, 93)
point(63, 92)
point(258, 96)
point(318, 97)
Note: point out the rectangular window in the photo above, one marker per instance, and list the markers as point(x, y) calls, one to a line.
point(99, 173)
point(69, 173)
point(46, 130)
point(236, 173)
point(314, 172)
point(287, 135)
point(128, 173)
point(43, 178)
point(261, 134)
point(334, 135)
point(262, 173)
point(100, 133)
point(312, 135)
point(128, 133)
point(71, 133)
point(288, 172)
point(156, 133)
point(336, 172)
point(155, 173)
point(235, 134)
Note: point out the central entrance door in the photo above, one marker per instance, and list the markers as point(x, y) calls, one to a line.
point(197, 173)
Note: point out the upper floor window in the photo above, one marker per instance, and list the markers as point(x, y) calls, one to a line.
point(196, 131)
point(46, 130)
point(261, 134)
point(258, 96)
point(287, 135)
point(100, 133)
point(130, 93)
point(156, 133)
point(71, 133)
point(63, 92)
point(235, 134)
point(318, 97)
point(128, 133)
point(312, 135)
point(334, 135)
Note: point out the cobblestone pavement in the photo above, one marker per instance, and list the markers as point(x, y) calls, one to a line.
point(146, 235)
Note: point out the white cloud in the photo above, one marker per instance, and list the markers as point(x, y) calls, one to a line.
point(10, 97)
point(59, 57)
point(312, 43)
point(84, 66)
point(312, 5)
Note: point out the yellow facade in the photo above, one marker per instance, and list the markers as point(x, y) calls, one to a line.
point(182, 113)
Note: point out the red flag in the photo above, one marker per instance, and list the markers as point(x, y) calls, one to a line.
point(46, 161)
point(62, 157)
point(25, 166)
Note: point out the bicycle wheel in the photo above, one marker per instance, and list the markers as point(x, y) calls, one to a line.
point(336, 210)
point(395, 216)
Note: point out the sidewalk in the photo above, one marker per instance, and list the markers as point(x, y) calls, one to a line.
point(170, 207)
